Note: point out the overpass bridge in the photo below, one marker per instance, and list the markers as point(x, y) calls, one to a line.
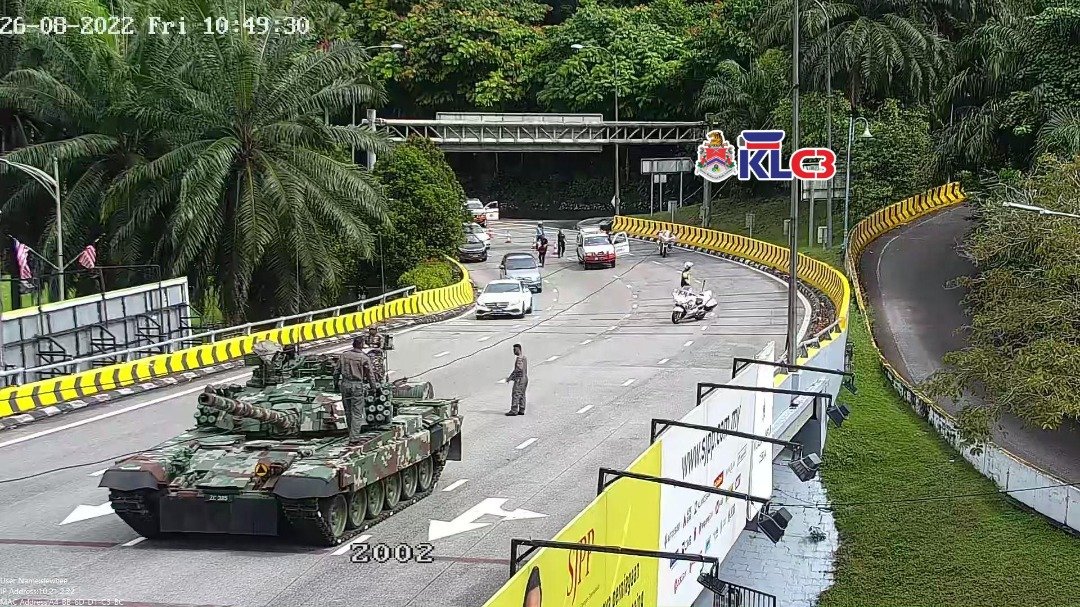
point(488, 132)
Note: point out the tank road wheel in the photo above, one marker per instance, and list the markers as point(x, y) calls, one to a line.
point(335, 513)
point(392, 484)
point(376, 495)
point(357, 508)
point(408, 482)
point(425, 475)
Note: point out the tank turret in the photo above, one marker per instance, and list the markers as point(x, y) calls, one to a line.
point(281, 420)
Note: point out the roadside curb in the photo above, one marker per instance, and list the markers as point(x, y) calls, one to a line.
point(392, 324)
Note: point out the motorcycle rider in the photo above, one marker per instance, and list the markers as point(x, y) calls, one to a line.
point(684, 282)
point(665, 237)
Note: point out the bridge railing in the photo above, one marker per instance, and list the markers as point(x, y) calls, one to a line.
point(460, 132)
point(17, 376)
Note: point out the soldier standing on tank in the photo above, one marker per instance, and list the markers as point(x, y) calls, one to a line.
point(357, 377)
point(520, 377)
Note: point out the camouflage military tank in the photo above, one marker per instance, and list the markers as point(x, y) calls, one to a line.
point(272, 457)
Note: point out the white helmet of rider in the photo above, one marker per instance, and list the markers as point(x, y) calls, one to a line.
point(688, 265)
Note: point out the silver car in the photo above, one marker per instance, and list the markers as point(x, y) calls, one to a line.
point(524, 267)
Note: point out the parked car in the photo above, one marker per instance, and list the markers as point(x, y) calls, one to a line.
point(523, 267)
point(478, 231)
point(504, 297)
point(473, 249)
point(482, 212)
point(597, 248)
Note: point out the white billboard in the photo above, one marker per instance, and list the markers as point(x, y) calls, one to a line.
point(704, 523)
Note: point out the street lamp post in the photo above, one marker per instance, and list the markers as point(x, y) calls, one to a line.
point(1039, 210)
point(615, 67)
point(51, 183)
point(370, 154)
point(828, 122)
point(852, 121)
point(793, 229)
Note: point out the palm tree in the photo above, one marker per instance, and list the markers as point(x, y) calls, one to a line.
point(75, 98)
point(255, 186)
point(746, 97)
point(879, 48)
point(1014, 93)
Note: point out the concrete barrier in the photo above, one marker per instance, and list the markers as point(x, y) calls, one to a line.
point(45, 393)
point(1057, 501)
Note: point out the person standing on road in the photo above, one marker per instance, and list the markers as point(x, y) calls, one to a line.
point(539, 232)
point(520, 377)
point(561, 243)
point(541, 249)
point(357, 377)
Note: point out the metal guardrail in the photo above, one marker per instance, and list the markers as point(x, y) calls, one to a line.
point(21, 375)
point(735, 595)
point(447, 132)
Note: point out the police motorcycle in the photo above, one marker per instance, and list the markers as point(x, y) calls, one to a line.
point(664, 241)
point(689, 304)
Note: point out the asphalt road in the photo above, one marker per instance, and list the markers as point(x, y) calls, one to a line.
point(918, 320)
point(604, 359)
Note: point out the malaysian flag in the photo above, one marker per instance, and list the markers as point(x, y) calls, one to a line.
point(22, 258)
point(88, 256)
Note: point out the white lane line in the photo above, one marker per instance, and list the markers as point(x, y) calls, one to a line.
point(688, 344)
point(485, 338)
point(134, 541)
point(586, 342)
point(349, 546)
point(657, 262)
point(456, 484)
point(526, 443)
point(441, 354)
point(98, 473)
point(584, 409)
point(551, 358)
point(628, 382)
point(91, 420)
point(662, 361)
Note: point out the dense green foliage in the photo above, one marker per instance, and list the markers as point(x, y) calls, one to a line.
point(430, 274)
point(425, 205)
point(1024, 304)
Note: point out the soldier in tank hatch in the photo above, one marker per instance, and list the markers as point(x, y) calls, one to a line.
point(357, 378)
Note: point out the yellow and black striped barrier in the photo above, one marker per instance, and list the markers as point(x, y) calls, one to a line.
point(817, 274)
point(45, 393)
point(870, 229)
point(892, 217)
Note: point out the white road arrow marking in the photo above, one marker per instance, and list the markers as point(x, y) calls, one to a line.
point(456, 484)
point(348, 546)
point(663, 360)
point(82, 513)
point(551, 358)
point(98, 473)
point(134, 541)
point(628, 382)
point(584, 409)
point(466, 521)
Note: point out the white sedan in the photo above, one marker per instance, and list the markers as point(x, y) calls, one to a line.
point(504, 297)
point(479, 232)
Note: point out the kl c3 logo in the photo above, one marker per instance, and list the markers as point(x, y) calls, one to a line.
point(759, 157)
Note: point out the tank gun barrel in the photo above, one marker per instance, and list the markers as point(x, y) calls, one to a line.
point(285, 421)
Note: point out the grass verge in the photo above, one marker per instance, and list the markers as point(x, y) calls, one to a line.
point(983, 551)
point(967, 552)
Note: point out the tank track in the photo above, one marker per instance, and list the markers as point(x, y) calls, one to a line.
point(305, 513)
point(133, 508)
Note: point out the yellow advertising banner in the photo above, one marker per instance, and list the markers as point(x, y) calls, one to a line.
point(627, 514)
